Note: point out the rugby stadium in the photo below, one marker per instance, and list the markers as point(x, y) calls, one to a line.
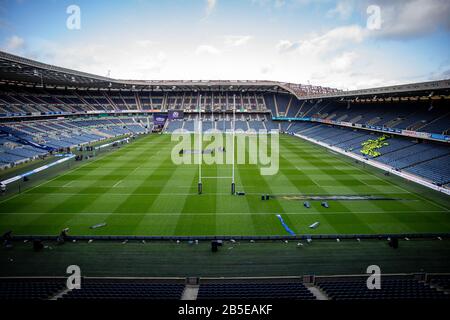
point(220, 189)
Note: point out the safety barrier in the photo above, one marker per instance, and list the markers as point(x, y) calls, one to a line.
point(65, 158)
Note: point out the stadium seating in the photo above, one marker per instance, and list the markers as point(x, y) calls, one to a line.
point(437, 170)
point(174, 125)
point(272, 290)
point(220, 122)
point(256, 125)
point(254, 111)
point(28, 101)
point(29, 289)
point(21, 141)
point(441, 281)
point(13, 151)
point(125, 290)
point(427, 160)
point(425, 118)
point(391, 288)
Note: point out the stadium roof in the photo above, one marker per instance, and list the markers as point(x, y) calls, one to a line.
point(22, 71)
point(19, 70)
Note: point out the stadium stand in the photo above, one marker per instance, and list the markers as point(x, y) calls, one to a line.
point(427, 160)
point(343, 287)
point(442, 282)
point(33, 101)
point(125, 290)
point(433, 118)
point(27, 140)
point(436, 170)
point(398, 288)
point(29, 289)
point(422, 159)
point(96, 108)
point(271, 290)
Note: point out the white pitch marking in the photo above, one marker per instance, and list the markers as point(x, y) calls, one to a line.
point(216, 177)
point(212, 213)
point(67, 184)
point(221, 193)
point(117, 183)
point(135, 169)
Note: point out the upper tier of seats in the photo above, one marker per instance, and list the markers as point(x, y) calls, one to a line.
point(23, 101)
point(422, 116)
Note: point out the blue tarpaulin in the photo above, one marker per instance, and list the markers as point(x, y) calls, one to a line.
point(36, 145)
point(286, 227)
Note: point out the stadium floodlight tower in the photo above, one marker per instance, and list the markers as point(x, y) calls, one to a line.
point(200, 151)
point(233, 186)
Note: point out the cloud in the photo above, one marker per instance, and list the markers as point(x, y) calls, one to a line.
point(335, 38)
point(287, 46)
point(288, 3)
point(399, 20)
point(343, 10)
point(441, 72)
point(207, 49)
point(344, 61)
point(332, 54)
point(338, 58)
point(279, 3)
point(210, 5)
point(128, 61)
point(326, 42)
point(235, 41)
point(412, 18)
point(274, 3)
point(145, 43)
point(14, 44)
point(267, 69)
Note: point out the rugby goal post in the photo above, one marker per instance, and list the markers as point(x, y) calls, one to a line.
point(200, 151)
point(200, 146)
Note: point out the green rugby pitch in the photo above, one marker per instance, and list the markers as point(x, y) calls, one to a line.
point(137, 190)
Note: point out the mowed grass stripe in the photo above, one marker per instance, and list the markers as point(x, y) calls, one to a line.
point(342, 223)
point(119, 219)
point(392, 220)
point(138, 190)
point(309, 212)
point(92, 202)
